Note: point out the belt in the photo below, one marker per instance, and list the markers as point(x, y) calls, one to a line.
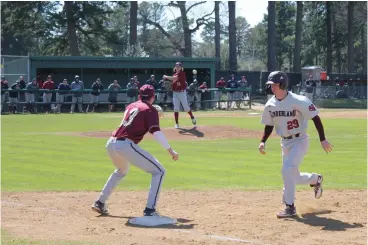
point(291, 136)
point(179, 91)
point(120, 139)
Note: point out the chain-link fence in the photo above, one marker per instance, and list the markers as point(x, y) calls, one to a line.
point(12, 67)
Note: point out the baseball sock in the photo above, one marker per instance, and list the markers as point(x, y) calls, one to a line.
point(111, 183)
point(176, 115)
point(190, 114)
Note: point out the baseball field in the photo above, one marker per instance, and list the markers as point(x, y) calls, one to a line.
point(221, 190)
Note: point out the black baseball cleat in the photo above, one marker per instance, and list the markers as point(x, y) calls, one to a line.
point(100, 207)
point(150, 212)
point(288, 212)
point(318, 187)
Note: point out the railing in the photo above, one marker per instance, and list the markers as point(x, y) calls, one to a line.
point(211, 98)
point(332, 92)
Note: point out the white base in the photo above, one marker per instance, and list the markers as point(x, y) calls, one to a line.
point(152, 221)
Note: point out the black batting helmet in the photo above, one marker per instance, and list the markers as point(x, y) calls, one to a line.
point(278, 77)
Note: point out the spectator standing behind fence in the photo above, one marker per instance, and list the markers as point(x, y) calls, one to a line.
point(39, 98)
point(47, 95)
point(136, 81)
point(77, 87)
point(97, 87)
point(132, 91)
point(220, 85)
point(152, 81)
point(22, 95)
point(113, 94)
point(231, 84)
point(240, 95)
point(4, 88)
point(13, 98)
point(191, 92)
point(311, 85)
point(160, 94)
point(63, 89)
point(32, 88)
point(201, 90)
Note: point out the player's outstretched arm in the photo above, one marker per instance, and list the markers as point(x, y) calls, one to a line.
point(327, 147)
point(267, 132)
point(160, 137)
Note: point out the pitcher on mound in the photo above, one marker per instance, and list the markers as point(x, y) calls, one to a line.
point(179, 87)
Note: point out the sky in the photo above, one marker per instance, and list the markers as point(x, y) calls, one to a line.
point(252, 11)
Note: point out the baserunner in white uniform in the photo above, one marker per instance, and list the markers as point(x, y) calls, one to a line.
point(289, 114)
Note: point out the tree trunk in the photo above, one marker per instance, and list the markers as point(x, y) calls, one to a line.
point(350, 37)
point(336, 39)
point(329, 37)
point(186, 29)
point(364, 50)
point(217, 34)
point(271, 37)
point(298, 36)
point(232, 36)
point(133, 23)
point(72, 34)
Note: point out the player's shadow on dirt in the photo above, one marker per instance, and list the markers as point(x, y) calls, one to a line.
point(328, 224)
point(192, 131)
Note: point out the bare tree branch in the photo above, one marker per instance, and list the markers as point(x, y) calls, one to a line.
point(201, 21)
point(196, 4)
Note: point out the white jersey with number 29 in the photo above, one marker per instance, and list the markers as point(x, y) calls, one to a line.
point(289, 116)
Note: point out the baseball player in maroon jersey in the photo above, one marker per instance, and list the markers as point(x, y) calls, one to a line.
point(139, 118)
point(179, 87)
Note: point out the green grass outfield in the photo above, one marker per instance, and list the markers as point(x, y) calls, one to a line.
point(33, 159)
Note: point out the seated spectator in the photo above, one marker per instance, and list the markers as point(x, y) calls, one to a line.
point(63, 89)
point(32, 88)
point(132, 92)
point(97, 87)
point(113, 94)
point(4, 88)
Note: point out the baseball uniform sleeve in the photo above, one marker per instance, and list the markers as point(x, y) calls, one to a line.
point(307, 108)
point(266, 118)
point(152, 121)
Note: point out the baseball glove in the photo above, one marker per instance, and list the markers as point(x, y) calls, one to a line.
point(159, 110)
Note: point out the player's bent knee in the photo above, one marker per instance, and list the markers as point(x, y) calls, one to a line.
point(120, 173)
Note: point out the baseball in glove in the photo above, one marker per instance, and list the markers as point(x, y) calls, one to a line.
point(159, 110)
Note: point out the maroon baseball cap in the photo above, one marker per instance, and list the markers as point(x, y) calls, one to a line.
point(147, 91)
point(178, 64)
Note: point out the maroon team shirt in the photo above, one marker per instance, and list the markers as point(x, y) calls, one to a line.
point(139, 118)
point(179, 82)
point(220, 84)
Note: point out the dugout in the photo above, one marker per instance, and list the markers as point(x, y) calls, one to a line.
point(121, 68)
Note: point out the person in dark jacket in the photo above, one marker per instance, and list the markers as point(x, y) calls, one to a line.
point(152, 81)
point(13, 97)
point(32, 88)
point(97, 87)
point(113, 94)
point(4, 88)
point(21, 96)
point(63, 89)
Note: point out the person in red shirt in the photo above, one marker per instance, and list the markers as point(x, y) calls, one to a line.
point(179, 87)
point(220, 85)
point(139, 118)
point(47, 96)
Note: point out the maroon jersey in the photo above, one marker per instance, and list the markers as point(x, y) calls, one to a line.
point(220, 84)
point(139, 118)
point(179, 82)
